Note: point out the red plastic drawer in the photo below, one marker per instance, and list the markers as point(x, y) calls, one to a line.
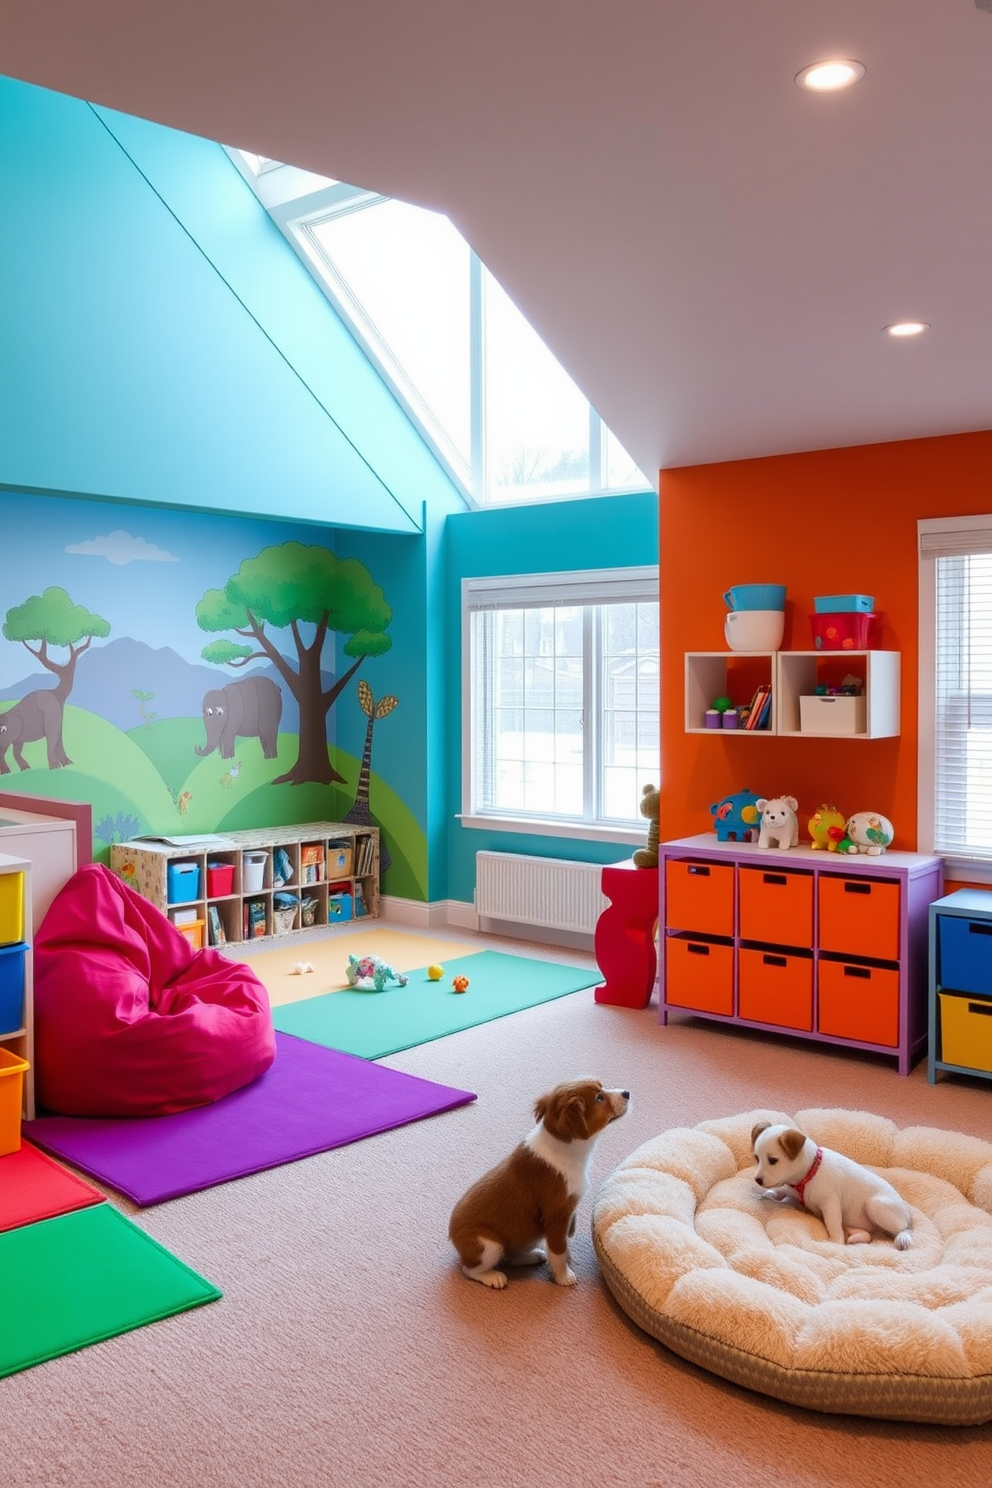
point(859, 1002)
point(775, 906)
point(859, 916)
point(699, 975)
point(775, 988)
point(699, 896)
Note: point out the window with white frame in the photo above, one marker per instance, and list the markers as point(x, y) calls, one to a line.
point(955, 784)
point(561, 696)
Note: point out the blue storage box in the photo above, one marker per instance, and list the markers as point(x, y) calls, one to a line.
point(964, 955)
point(183, 882)
point(12, 987)
point(339, 907)
point(843, 604)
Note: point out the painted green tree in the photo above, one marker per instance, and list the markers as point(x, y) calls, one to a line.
point(312, 594)
point(53, 620)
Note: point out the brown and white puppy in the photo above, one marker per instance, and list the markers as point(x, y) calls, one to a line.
point(533, 1194)
point(853, 1202)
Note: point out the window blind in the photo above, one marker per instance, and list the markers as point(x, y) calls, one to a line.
point(962, 690)
point(549, 590)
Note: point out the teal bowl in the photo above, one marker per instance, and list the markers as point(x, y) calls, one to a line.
point(756, 597)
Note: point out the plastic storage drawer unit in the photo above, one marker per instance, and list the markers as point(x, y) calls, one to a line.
point(699, 975)
point(699, 896)
point(859, 917)
point(775, 907)
point(859, 1002)
point(11, 908)
point(966, 1031)
point(12, 988)
point(965, 954)
point(775, 988)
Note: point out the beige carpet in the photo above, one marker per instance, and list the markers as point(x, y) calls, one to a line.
point(403, 950)
point(348, 1352)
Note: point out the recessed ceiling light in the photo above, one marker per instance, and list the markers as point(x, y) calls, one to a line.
point(827, 77)
point(906, 328)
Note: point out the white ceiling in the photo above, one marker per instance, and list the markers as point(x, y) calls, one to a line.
point(710, 251)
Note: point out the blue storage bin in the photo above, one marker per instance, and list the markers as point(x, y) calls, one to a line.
point(339, 907)
point(12, 987)
point(182, 882)
point(964, 955)
point(844, 604)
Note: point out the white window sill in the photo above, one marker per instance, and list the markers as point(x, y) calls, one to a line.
point(964, 870)
point(583, 831)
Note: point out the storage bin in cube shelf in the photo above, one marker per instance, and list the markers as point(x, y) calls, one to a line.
point(844, 631)
point(966, 1031)
point(339, 908)
point(253, 871)
point(220, 880)
point(183, 882)
point(12, 987)
point(11, 908)
point(964, 955)
point(193, 932)
point(833, 715)
point(338, 859)
point(12, 1071)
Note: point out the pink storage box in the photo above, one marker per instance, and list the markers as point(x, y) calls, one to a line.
point(844, 630)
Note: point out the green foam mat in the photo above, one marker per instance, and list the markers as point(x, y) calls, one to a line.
point(83, 1277)
point(373, 1024)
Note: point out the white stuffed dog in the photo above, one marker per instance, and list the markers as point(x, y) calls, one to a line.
point(779, 824)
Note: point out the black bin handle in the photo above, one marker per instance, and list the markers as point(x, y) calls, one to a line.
point(853, 887)
point(857, 971)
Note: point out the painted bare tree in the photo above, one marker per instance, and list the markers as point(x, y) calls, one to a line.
point(359, 815)
point(312, 594)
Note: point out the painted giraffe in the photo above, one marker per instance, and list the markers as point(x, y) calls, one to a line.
point(359, 814)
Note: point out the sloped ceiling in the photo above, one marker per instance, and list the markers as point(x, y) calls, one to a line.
point(710, 251)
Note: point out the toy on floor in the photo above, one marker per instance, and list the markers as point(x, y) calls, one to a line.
point(647, 857)
point(370, 974)
point(870, 832)
point(779, 823)
point(827, 827)
point(460, 984)
point(301, 968)
point(435, 972)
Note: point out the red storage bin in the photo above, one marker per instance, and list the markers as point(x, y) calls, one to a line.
point(844, 630)
point(220, 880)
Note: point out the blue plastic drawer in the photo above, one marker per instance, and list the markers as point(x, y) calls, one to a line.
point(964, 954)
point(12, 987)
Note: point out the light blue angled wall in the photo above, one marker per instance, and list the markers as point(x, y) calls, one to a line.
point(608, 532)
point(164, 345)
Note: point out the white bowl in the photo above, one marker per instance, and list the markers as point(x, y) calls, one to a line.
point(754, 630)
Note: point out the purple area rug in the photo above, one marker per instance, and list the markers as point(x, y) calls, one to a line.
point(310, 1100)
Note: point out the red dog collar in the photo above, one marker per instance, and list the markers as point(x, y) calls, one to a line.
point(800, 1188)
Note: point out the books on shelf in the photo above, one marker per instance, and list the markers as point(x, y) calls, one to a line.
point(311, 862)
point(218, 935)
point(364, 856)
point(760, 707)
point(254, 919)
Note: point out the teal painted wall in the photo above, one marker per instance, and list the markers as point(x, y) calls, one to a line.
point(609, 532)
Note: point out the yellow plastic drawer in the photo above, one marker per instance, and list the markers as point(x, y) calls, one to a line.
point(775, 906)
point(11, 908)
point(699, 896)
point(966, 1031)
point(775, 988)
point(699, 975)
point(859, 1002)
point(859, 916)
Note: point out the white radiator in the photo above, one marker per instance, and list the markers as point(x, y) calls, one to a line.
point(539, 891)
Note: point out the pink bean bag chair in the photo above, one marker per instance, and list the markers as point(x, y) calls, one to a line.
point(130, 1020)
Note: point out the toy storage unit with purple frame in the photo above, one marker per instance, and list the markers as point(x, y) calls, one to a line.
point(798, 941)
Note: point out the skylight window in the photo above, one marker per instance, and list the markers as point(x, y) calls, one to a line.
point(486, 392)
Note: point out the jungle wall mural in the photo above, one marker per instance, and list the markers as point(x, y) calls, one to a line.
point(185, 673)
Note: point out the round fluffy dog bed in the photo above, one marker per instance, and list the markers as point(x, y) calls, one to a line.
point(753, 1290)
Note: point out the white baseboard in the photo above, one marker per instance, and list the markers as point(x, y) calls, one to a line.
point(456, 914)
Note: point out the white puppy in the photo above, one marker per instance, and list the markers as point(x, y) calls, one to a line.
point(852, 1201)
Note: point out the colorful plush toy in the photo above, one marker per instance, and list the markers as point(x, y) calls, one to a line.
point(735, 818)
point(647, 857)
point(827, 827)
point(779, 823)
point(370, 974)
point(870, 832)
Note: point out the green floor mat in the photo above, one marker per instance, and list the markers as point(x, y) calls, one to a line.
point(372, 1024)
point(83, 1277)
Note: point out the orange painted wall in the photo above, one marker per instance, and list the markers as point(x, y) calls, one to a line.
point(828, 522)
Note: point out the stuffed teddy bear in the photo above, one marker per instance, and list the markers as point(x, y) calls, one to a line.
point(779, 823)
point(647, 857)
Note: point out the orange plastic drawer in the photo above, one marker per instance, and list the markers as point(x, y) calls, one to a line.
point(775, 988)
point(699, 975)
point(859, 1002)
point(699, 896)
point(775, 906)
point(859, 917)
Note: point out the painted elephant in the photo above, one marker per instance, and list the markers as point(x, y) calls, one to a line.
point(38, 715)
point(243, 709)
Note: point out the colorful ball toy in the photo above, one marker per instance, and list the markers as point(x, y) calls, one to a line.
point(435, 972)
point(459, 983)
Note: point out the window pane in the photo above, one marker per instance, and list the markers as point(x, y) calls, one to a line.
point(409, 271)
point(621, 472)
point(631, 701)
point(537, 421)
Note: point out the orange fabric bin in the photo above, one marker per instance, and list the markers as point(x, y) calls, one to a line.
point(699, 975)
point(12, 1071)
point(859, 917)
point(699, 896)
point(859, 1002)
point(776, 988)
point(775, 906)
